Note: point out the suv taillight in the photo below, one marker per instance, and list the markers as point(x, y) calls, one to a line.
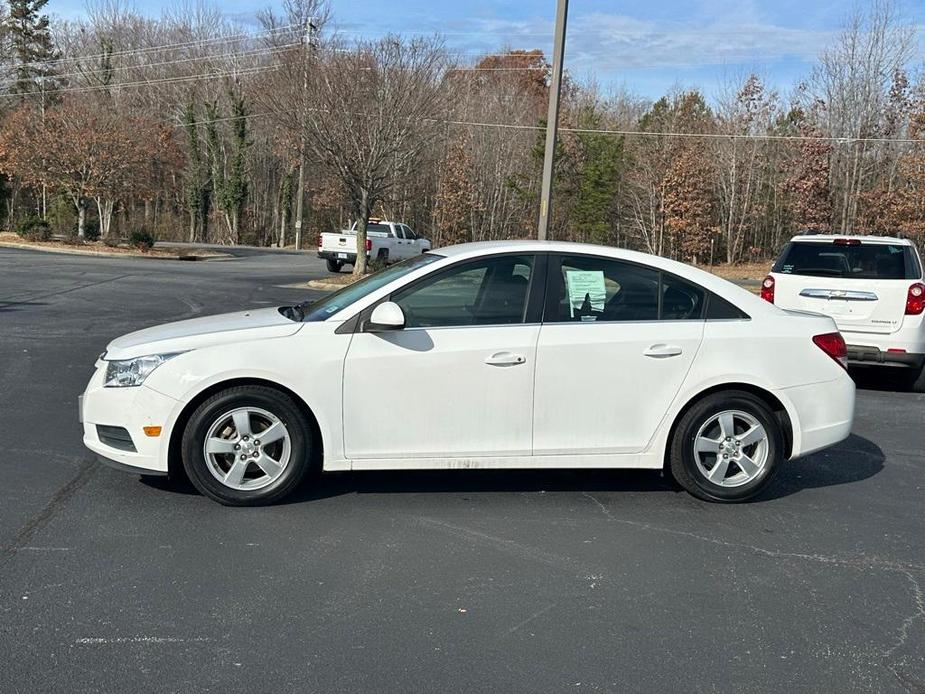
point(915, 299)
point(767, 289)
point(834, 345)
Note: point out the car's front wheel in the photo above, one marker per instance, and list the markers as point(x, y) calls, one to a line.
point(247, 446)
point(726, 447)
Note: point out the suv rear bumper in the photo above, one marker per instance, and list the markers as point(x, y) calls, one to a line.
point(871, 356)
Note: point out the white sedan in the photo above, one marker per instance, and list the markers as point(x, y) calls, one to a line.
point(497, 355)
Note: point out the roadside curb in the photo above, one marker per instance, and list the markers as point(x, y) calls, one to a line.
point(105, 254)
point(321, 284)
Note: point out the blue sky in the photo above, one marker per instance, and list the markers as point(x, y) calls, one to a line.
point(648, 46)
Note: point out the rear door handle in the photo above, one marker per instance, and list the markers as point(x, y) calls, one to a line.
point(660, 351)
point(505, 359)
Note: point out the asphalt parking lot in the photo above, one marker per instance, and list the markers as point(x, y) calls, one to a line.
point(426, 582)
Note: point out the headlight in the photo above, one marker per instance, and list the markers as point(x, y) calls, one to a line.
point(133, 372)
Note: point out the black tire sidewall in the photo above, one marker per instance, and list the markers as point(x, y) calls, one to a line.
point(684, 467)
point(334, 266)
point(280, 405)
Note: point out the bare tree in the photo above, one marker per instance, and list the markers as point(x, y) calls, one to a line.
point(375, 109)
point(849, 92)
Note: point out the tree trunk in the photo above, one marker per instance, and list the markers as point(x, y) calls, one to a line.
point(81, 205)
point(105, 207)
point(359, 267)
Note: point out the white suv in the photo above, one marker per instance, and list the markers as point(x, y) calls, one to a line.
point(871, 285)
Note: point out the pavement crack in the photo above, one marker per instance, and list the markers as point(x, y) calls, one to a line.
point(48, 295)
point(918, 598)
point(61, 497)
point(862, 562)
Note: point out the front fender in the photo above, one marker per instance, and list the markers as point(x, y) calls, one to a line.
point(309, 363)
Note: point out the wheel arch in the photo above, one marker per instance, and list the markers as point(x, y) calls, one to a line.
point(767, 396)
point(174, 460)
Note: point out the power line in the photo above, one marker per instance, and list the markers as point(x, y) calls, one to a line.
point(143, 66)
point(703, 136)
point(151, 82)
point(161, 47)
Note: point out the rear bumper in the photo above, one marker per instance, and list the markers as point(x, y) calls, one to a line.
point(859, 355)
point(339, 256)
point(822, 414)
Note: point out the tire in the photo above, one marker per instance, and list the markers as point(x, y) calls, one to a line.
point(917, 381)
point(693, 462)
point(334, 265)
point(383, 256)
point(271, 470)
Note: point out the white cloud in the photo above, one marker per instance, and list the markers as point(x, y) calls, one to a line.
point(606, 42)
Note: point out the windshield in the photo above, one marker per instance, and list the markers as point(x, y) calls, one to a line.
point(869, 261)
point(332, 303)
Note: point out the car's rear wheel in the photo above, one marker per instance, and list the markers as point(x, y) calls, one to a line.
point(247, 446)
point(334, 265)
point(726, 447)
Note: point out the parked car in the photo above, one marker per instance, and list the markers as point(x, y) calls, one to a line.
point(497, 355)
point(872, 286)
point(388, 242)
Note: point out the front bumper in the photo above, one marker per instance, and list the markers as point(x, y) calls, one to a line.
point(131, 409)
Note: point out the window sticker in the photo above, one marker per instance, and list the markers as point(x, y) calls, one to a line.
point(586, 292)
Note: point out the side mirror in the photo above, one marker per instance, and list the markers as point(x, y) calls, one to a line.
point(386, 316)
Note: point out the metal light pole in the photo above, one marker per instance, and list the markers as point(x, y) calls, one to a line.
point(552, 117)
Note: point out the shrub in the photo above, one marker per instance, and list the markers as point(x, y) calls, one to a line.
point(92, 230)
point(142, 240)
point(34, 229)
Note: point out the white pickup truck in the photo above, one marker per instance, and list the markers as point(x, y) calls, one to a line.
point(386, 241)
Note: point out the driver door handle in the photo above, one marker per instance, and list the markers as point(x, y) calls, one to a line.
point(660, 351)
point(505, 359)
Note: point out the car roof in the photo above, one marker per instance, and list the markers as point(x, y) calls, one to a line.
point(864, 238)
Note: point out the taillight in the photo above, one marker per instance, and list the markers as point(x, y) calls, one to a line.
point(320, 243)
point(834, 345)
point(767, 289)
point(915, 299)
point(369, 245)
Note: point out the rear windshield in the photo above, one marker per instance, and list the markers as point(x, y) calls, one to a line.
point(867, 261)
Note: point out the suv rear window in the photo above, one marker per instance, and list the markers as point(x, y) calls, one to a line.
point(864, 261)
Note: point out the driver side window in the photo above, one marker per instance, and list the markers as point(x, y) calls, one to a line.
point(491, 291)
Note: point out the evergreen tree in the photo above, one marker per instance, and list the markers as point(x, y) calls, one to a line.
point(32, 49)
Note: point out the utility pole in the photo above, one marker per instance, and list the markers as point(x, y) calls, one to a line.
point(552, 117)
point(310, 28)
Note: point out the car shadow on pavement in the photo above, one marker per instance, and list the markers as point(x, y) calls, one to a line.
point(853, 460)
point(889, 380)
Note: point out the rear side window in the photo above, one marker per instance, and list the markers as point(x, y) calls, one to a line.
point(864, 261)
point(591, 289)
point(720, 309)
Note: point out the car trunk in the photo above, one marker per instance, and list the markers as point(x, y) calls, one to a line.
point(871, 306)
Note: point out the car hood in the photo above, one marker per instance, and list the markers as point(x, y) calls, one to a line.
point(196, 333)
